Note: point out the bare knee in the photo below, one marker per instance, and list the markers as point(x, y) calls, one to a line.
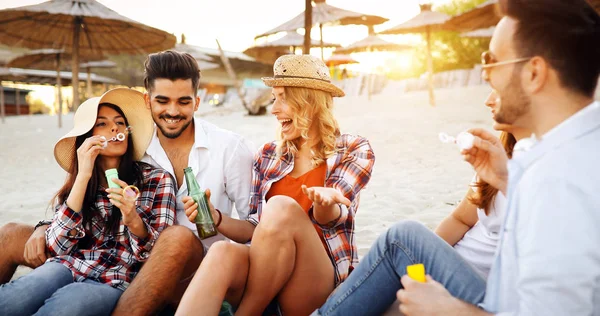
point(226, 253)
point(281, 211)
point(13, 237)
point(179, 241)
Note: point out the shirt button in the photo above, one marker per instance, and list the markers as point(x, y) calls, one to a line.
point(144, 255)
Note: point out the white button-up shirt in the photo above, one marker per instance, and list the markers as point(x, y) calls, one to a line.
point(222, 162)
point(548, 261)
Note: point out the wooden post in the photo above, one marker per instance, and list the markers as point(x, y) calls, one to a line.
point(89, 82)
point(2, 110)
point(321, 34)
point(75, 61)
point(59, 90)
point(307, 26)
point(430, 68)
point(17, 101)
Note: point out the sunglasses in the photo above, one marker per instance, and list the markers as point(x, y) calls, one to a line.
point(488, 61)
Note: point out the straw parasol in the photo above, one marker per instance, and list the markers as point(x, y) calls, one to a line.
point(95, 64)
point(46, 59)
point(481, 17)
point(205, 62)
point(81, 27)
point(371, 43)
point(339, 59)
point(268, 52)
point(325, 14)
point(480, 33)
point(41, 77)
point(425, 22)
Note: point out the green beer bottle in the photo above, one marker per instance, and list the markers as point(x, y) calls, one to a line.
point(204, 221)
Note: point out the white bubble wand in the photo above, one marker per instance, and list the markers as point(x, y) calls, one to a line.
point(463, 140)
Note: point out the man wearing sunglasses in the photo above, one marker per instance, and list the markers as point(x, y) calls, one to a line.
point(544, 63)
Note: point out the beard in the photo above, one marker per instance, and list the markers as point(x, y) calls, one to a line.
point(514, 101)
point(175, 134)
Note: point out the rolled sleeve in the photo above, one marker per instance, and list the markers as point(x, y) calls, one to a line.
point(59, 237)
point(342, 218)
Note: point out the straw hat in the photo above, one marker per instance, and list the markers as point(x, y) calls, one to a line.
point(133, 106)
point(304, 71)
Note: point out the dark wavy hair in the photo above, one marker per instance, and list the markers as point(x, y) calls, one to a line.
point(172, 65)
point(129, 170)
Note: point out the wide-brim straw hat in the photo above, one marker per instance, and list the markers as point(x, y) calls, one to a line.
point(130, 101)
point(303, 71)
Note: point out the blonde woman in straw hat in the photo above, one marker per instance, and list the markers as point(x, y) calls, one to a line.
point(304, 197)
point(99, 236)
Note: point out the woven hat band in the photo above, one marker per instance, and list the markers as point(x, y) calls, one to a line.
point(300, 77)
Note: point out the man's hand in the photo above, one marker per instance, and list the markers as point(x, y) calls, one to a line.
point(35, 249)
point(191, 207)
point(428, 298)
point(488, 158)
point(321, 196)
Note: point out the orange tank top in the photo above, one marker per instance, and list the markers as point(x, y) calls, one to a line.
point(292, 187)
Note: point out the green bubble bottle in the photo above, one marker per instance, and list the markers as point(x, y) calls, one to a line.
point(204, 221)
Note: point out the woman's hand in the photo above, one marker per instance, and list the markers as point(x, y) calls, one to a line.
point(125, 201)
point(322, 196)
point(86, 155)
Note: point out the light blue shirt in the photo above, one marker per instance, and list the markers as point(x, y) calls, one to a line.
point(548, 260)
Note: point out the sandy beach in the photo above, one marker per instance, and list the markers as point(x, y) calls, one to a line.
point(415, 176)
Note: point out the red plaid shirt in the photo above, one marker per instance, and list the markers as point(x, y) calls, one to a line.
point(116, 258)
point(348, 170)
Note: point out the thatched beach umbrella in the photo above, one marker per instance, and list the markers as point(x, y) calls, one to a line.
point(339, 59)
point(482, 16)
point(486, 15)
point(270, 51)
point(81, 27)
point(480, 33)
point(425, 22)
point(46, 59)
point(371, 43)
point(325, 14)
point(95, 64)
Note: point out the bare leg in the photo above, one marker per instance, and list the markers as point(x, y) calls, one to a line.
point(287, 260)
point(222, 275)
point(13, 238)
point(175, 257)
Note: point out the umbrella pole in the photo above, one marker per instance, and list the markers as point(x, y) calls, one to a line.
point(58, 90)
point(307, 27)
point(321, 34)
point(75, 61)
point(430, 69)
point(369, 79)
point(89, 83)
point(17, 101)
point(2, 110)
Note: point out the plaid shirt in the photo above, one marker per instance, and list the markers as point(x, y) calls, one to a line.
point(348, 170)
point(116, 258)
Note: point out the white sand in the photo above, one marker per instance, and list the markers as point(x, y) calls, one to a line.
point(415, 176)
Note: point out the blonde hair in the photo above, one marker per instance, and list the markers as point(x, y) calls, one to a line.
point(310, 106)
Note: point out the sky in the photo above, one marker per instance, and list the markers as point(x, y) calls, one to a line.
point(235, 23)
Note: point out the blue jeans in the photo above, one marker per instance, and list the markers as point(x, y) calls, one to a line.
point(51, 290)
point(371, 288)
